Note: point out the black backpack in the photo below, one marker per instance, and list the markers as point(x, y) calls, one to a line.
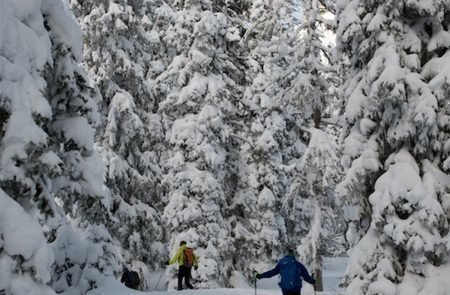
point(133, 280)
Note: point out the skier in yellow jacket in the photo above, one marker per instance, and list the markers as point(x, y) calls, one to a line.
point(186, 259)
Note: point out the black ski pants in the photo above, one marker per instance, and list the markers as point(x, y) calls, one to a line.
point(184, 272)
point(291, 292)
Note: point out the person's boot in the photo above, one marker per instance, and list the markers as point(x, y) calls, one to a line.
point(180, 282)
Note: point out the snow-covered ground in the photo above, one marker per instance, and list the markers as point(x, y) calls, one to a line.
point(333, 271)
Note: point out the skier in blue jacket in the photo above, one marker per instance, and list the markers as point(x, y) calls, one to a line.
point(291, 273)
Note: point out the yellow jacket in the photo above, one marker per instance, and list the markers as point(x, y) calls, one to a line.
point(179, 257)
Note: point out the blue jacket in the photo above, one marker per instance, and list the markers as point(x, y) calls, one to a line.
point(292, 270)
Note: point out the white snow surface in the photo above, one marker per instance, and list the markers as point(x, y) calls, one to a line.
point(114, 287)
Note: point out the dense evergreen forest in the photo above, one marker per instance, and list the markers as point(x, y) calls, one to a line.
point(244, 127)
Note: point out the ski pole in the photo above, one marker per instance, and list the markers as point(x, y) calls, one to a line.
point(315, 285)
point(254, 276)
point(158, 281)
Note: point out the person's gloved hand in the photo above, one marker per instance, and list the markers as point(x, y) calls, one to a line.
point(196, 267)
point(258, 276)
point(166, 262)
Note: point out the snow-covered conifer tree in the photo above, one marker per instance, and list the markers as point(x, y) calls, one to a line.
point(308, 87)
point(26, 163)
point(79, 185)
point(273, 141)
point(312, 200)
point(47, 140)
point(74, 111)
point(26, 257)
point(309, 80)
point(84, 254)
point(395, 144)
point(123, 48)
point(23, 107)
point(201, 93)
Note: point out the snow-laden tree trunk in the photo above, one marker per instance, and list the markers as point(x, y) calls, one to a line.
point(311, 249)
point(314, 215)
